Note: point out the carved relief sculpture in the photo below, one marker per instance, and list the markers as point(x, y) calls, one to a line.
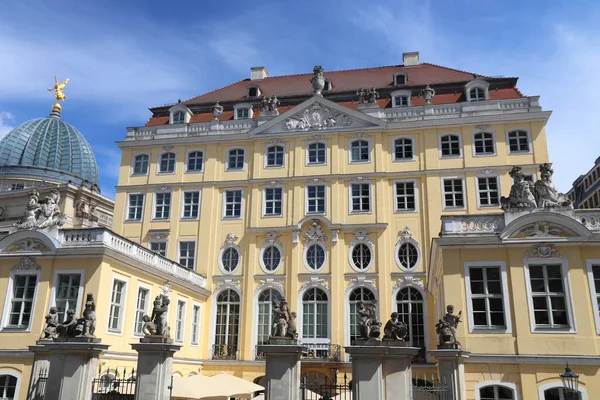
point(317, 117)
point(50, 331)
point(40, 214)
point(395, 329)
point(546, 193)
point(521, 192)
point(368, 325)
point(318, 80)
point(446, 329)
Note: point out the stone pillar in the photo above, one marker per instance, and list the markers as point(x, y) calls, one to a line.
point(451, 370)
point(381, 371)
point(154, 370)
point(283, 370)
point(73, 366)
point(40, 367)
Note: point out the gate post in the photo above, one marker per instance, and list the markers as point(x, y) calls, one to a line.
point(154, 368)
point(40, 366)
point(282, 369)
point(451, 370)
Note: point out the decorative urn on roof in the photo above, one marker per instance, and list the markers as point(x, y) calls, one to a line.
point(428, 93)
point(318, 80)
point(217, 110)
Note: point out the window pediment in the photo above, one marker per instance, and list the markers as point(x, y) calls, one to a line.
point(180, 114)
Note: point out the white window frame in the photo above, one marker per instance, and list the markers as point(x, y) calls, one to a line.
point(213, 328)
point(15, 374)
point(195, 331)
point(423, 292)
point(187, 155)
point(480, 84)
point(306, 210)
point(195, 252)
point(412, 140)
point(494, 143)
point(312, 164)
point(559, 385)
point(505, 296)
point(158, 171)
point(220, 259)
point(403, 93)
point(397, 258)
point(175, 120)
point(224, 204)
point(266, 157)
point(350, 210)
point(568, 294)
point(300, 325)
point(127, 219)
point(182, 216)
point(264, 201)
point(405, 78)
point(348, 292)
point(262, 262)
point(179, 107)
point(594, 295)
point(529, 141)
point(132, 172)
point(369, 148)
point(141, 286)
point(81, 274)
point(305, 252)
point(165, 241)
point(119, 330)
point(464, 192)
point(460, 145)
point(154, 204)
point(477, 178)
point(253, 86)
point(395, 196)
point(182, 320)
point(9, 297)
point(247, 106)
point(371, 250)
point(244, 163)
point(509, 385)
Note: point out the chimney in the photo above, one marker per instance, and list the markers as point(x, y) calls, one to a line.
point(410, 59)
point(258, 73)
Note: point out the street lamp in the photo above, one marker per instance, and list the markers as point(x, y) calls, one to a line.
point(570, 381)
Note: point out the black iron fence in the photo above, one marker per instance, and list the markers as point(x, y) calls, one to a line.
point(430, 389)
point(114, 385)
point(327, 389)
point(224, 352)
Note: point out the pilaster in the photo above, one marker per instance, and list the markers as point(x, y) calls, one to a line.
point(282, 370)
point(154, 370)
point(40, 368)
point(451, 370)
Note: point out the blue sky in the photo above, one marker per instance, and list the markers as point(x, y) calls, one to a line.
point(125, 56)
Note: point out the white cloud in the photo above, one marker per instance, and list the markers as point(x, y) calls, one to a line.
point(7, 120)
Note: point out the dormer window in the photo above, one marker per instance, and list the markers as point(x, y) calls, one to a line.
point(477, 90)
point(242, 111)
point(253, 91)
point(179, 117)
point(400, 78)
point(179, 114)
point(328, 85)
point(401, 98)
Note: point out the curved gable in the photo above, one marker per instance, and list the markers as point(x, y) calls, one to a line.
point(542, 225)
point(28, 242)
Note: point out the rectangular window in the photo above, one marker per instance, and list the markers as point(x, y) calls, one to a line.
point(195, 324)
point(162, 208)
point(484, 144)
point(67, 294)
point(316, 153)
point(359, 151)
point(273, 201)
point(179, 321)
point(159, 247)
point(233, 203)
point(191, 204)
point(141, 164)
point(21, 304)
point(187, 254)
point(453, 193)
point(487, 190)
point(315, 199)
point(117, 304)
point(361, 197)
point(487, 300)
point(403, 149)
point(518, 142)
point(242, 113)
point(548, 296)
point(450, 146)
point(141, 309)
point(275, 156)
point(136, 207)
point(236, 159)
point(405, 196)
point(401, 101)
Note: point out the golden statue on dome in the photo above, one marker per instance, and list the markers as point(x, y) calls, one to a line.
point(58, 90)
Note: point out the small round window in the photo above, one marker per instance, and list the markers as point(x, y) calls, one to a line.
point(271, 258)
point(315, 257)
point(230, 259)
point(408, 255)
point(361, 256)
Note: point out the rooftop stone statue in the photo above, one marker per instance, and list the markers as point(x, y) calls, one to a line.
point(521, 192)
point(546, 194)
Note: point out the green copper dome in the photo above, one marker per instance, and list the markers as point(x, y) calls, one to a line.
point(48, 148)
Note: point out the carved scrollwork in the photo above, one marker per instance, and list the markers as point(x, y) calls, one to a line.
point(26, 264)
point(317, 117)
point(230, 240)
point(315, 234)
point(314, 281)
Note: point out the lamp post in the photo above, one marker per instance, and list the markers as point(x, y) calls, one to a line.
point(570, 381)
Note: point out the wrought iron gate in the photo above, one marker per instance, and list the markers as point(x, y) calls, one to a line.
point(117, 385)
point(314, 389)
point(424, 389)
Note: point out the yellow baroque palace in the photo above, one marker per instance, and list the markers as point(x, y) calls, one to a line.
point(392, 184)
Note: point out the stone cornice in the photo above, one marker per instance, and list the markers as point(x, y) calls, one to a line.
point(532, 359)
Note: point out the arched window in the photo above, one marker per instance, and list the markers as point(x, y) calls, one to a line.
point(358, 294)
point(235, 159)
point(314, 314)
point(275, 155)
point(315, 257)
point(8, 386)
point(410, 306)
point(450, 145)
point(403, 149)
point(484, 143)
point(558, 393)
point(167, 163)
point(141, 162)
point(359, 151)
point(477, 94)
point(179, 117)
point(230, 259)
point(271, 258)
point(195, 161)
point(227, 324)
point(265, 313)
point(361, 256)
point(496, 392)
point(408, 255)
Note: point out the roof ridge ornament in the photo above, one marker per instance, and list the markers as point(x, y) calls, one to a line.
point(318, 80)
point(58, 95)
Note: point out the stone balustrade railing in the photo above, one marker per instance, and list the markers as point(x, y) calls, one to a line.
point(104, 237)
point(472, 224)
point(589, 218)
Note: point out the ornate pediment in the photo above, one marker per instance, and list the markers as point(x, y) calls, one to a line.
point(26, 264)
point(27, 245)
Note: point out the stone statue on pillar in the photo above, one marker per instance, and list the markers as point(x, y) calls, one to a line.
point(159, 317)
point(284, 321)
point(369, 326)
point(49, 331)
point(446, 329)
point(395, 329)
point(546, 194)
